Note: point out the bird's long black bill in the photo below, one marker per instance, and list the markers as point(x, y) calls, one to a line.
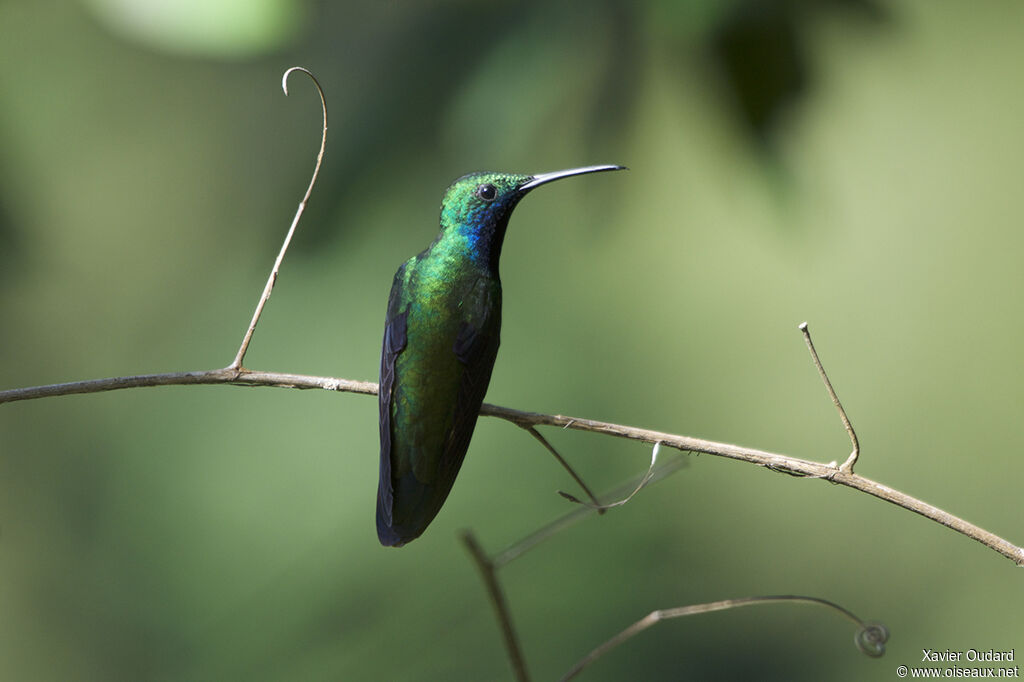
point(544, 178)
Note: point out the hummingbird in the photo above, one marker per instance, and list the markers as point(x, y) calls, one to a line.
point(440, 341)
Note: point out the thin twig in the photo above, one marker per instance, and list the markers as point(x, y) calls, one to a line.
point(847, 466)
point(870, 638)
point(771, 460)
point(487, 570)
point(489, 566)
point(561, 460)
point(269, 288)
point(522, 546)
point(644, 480)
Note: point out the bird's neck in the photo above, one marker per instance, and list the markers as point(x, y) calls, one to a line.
point(476, 245)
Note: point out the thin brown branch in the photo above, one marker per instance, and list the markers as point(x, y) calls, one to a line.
point(771, 460)
point(272, 279)
point(572, 472)
point(525, 544)
point(776, 462)
point(489, 566)
point(487, 570)
point(870, 639)
point(847, 466)
point(227, 375)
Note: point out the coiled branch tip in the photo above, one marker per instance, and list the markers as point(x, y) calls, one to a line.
point(871, 639)
point(284, 78)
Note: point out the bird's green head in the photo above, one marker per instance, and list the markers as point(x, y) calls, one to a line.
point(477, 206)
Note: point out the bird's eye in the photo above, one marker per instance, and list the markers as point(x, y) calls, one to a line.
point(487, 192)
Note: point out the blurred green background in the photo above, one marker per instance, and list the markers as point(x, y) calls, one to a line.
point(855, 164)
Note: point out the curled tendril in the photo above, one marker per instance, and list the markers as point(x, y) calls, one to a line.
point(601, 508)
point(871, 639)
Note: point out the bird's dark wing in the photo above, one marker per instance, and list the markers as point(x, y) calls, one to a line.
point(394, 343)
point(476, 348)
